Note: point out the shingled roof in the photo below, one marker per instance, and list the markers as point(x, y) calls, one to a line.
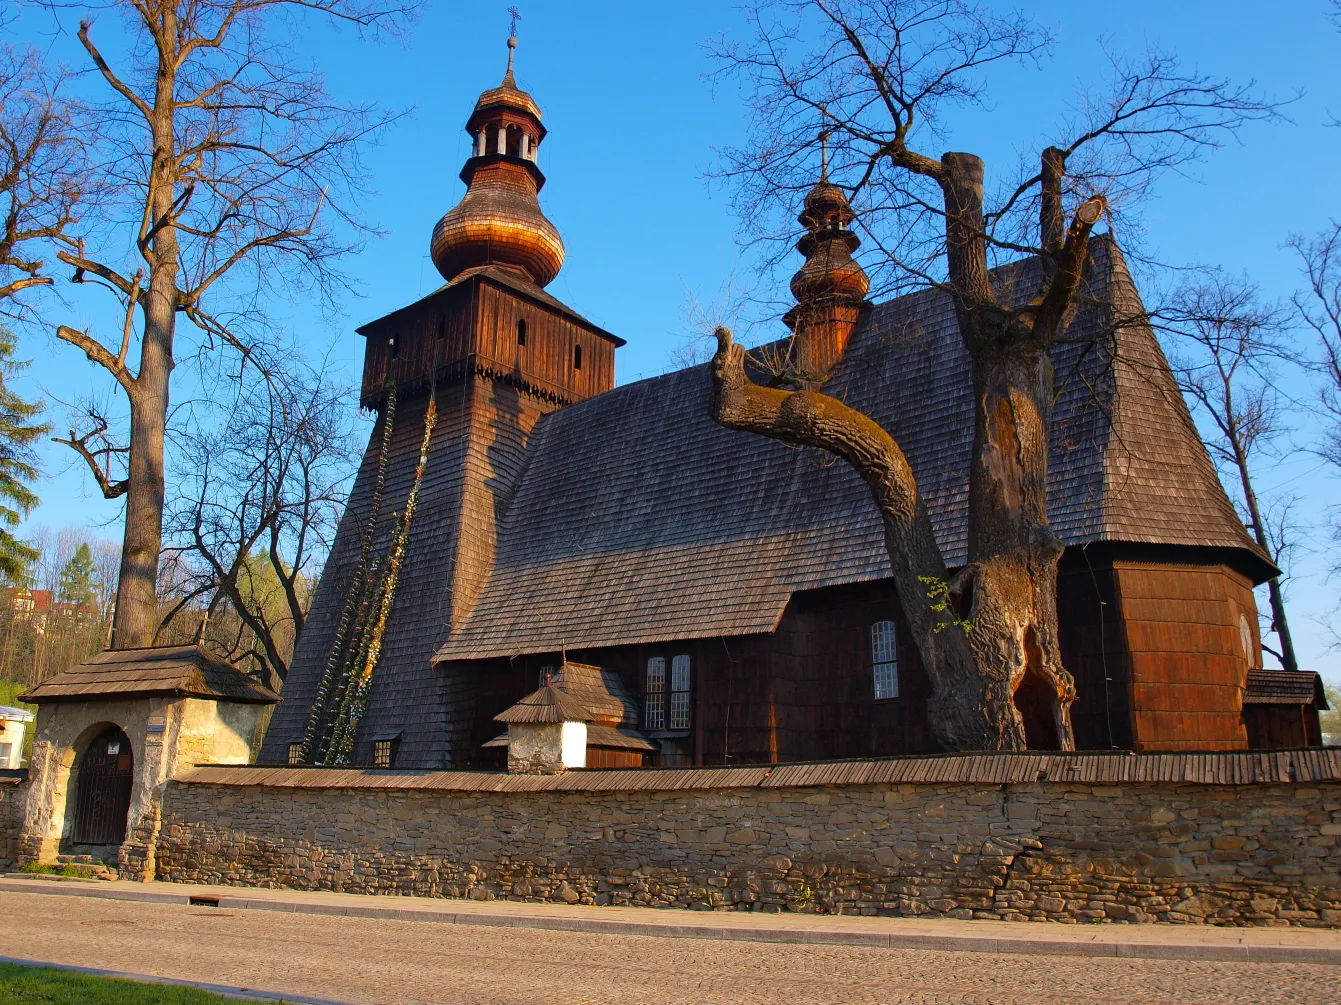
point(184, 671)
point(638, 519)
point(1285, 687)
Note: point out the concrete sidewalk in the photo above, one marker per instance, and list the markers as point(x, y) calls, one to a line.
point(1167, 942)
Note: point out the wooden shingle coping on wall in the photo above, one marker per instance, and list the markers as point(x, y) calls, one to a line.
point(1231, 768)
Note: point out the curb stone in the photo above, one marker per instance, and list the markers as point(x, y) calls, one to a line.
point(719, 932)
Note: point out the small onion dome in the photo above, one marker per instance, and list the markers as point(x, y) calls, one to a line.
point(499, 222)
point(829, 271)
point(826, 202)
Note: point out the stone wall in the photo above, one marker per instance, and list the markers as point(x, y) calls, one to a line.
point(1263, 854)
point(13, 799)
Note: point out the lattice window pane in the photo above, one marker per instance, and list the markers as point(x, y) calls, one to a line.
point(679, 716)
point(886, 680)
point(883, 647)
point(382, 753)
point(295, 753)
point(680, 673)
point(656, 674)
point(655, 699)
point(656, 711)
point(885, 659)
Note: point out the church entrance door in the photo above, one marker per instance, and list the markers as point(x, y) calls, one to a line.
point(102, 789)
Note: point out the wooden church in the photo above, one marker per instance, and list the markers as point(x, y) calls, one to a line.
point(518, 520)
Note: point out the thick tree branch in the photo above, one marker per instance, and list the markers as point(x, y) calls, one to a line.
point(79, 444)
point(98, 353)
point(1058, 302)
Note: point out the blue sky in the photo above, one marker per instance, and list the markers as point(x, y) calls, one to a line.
point(633, 128)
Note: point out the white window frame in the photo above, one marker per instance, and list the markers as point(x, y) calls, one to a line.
point(884, 660)
point(681, 673)
point(654, 694)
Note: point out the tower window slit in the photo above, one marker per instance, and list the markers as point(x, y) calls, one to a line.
point(577, 357)
point(521, 331)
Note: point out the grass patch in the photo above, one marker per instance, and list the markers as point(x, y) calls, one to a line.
point(47, 986)
point(69, 869)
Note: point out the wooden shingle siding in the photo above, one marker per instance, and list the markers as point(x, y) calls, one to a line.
point(477, 451)
point(630, 521)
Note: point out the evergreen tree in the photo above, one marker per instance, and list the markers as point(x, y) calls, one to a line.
point(18, 463)
point(78, 577)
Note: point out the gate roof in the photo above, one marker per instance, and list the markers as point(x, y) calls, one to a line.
point(184, 671)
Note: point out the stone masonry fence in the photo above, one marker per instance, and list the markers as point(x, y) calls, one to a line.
point(1226, 839)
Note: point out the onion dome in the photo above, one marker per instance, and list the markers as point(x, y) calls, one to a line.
point(499, 221)
point(829, 271)
point(830, 288)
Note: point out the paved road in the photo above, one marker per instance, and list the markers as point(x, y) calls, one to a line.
point(379, 961)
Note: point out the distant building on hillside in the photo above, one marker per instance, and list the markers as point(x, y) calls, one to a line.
point(38, 608)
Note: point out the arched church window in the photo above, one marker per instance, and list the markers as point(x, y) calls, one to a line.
point(885, 659)
point(654, 698)
point(663, 694)
point(577, 357)
point(679, 692)
point(521, 331)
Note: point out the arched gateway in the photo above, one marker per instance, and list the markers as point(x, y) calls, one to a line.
point(102, 787)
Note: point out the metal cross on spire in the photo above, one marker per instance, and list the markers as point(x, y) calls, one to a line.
point(512, 41)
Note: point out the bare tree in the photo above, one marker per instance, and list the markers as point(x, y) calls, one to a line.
point(1319, 305)
point(877, 77)
point(1320, 308)
point(1227, 348)
point(43, 171)
point(230, 170)
point(254, 513)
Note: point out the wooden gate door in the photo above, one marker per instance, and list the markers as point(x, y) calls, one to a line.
point(102, 789)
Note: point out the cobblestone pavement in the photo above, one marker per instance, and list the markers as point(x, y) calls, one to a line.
point(381, 961)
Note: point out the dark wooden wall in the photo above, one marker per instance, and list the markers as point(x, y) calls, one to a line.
point(1273, 727)
point(1089, 619)
point(474, 323)
point(1155, 649)
point(547, 357)
point(802, 693)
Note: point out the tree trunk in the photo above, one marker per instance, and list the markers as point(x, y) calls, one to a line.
point(1009, 587)
point(136, 593)
point(959, 709)
point(1279, 625)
